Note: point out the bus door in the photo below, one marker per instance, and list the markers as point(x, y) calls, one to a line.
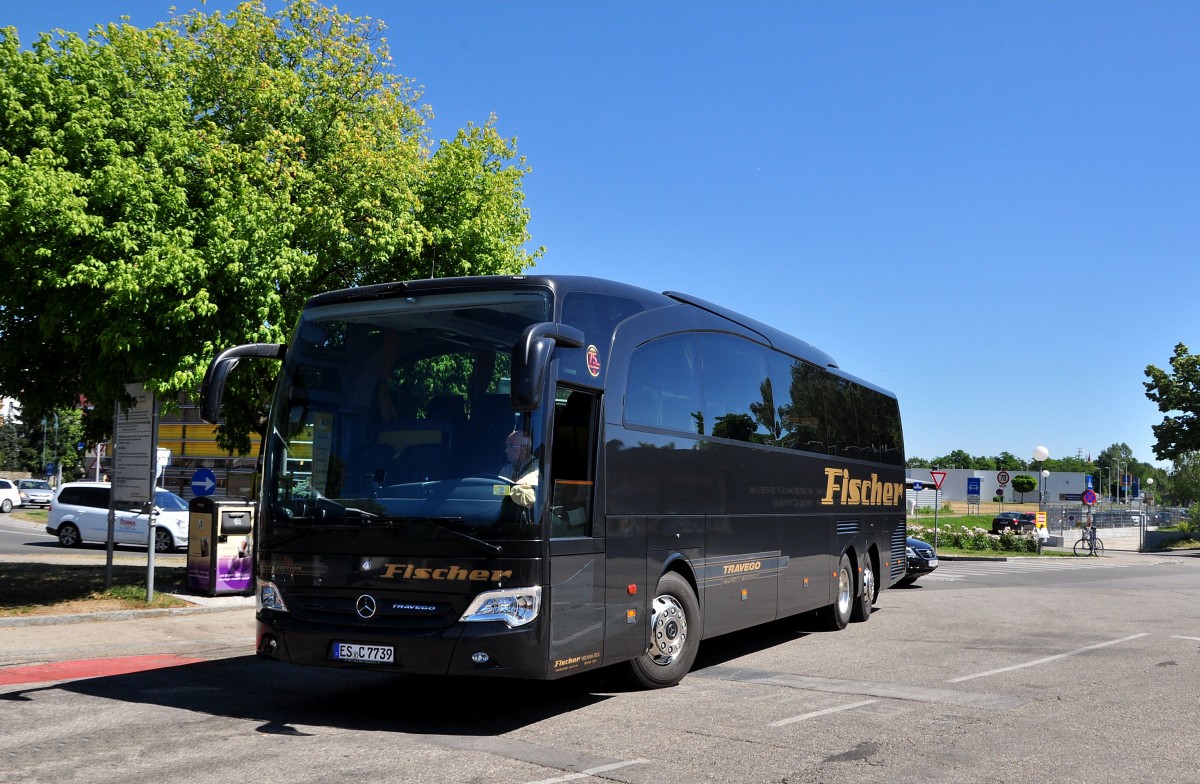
point(576, 610)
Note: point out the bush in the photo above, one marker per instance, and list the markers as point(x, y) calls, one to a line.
point(976, 539)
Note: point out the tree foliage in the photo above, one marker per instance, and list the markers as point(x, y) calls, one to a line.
point(1177, 391)
point(1024, 483)
point(167, 192)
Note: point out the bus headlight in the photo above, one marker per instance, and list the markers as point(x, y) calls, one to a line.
point(268, 597)
point(513, 606)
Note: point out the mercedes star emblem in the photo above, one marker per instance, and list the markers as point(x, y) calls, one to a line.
point(365, 606)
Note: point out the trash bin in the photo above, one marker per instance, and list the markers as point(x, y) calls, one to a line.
point(218, 558)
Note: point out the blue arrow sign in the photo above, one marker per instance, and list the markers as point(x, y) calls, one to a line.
point(204, 482)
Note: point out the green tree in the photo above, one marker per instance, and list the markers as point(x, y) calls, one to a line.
point(1113, 462)
point(1177, 391)
point(1024, 483)
point(1184, 483)
point(171, 191)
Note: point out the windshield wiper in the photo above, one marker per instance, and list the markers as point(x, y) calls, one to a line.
point(439, 523)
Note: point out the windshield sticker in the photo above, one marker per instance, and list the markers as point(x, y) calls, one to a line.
point(593, 361)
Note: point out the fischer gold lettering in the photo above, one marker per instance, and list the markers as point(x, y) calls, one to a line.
point(451, 572)
point(842, 489)
point(832, 477)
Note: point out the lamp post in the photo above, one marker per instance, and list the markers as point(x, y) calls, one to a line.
point(1145, 520)
point(1040, 453)
point(1120, 479)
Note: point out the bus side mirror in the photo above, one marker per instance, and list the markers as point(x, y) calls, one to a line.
point(531, 357)
point(212, 389)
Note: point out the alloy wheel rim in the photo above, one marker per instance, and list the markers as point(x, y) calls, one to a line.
point(668, 626)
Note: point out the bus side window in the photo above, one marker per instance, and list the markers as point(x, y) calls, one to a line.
point(571, 465)
point(664, 386)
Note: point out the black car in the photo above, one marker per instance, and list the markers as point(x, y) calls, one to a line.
point(1023, 522)
point(921, 560)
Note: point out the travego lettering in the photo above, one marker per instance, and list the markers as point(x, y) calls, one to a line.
point(738, 568)
point(842, 490)
point(452, 572)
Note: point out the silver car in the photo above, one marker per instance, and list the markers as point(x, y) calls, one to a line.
point(79, 513)
point(35, 492)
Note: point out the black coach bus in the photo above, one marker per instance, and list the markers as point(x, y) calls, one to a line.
point(533, 476)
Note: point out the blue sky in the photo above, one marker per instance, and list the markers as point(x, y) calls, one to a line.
point(992, 209)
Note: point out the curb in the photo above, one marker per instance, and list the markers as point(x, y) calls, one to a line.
point(110, 615)
point(972, 557)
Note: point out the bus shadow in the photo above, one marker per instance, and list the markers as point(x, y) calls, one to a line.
point(284, 698)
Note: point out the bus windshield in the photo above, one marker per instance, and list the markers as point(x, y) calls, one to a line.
point(395, 413)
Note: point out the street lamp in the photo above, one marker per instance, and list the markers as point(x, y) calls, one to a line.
point(1040, 453)
point(1120, 478)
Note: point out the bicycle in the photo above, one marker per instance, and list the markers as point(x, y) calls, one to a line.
point(1089, 544)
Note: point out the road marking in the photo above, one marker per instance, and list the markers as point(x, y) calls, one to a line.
point(590, 772)
point(1047, 659)
point(958, 570)
point(889, 691)
point(1179, 637)
point(826, 712)
point(53, 672)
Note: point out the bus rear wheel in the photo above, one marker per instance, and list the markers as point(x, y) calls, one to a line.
point(834, 617)
point(674, 635)
point(866, 597)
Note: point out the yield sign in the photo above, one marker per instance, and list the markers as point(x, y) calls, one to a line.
point(938, 478)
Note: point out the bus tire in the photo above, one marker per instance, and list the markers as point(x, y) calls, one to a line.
point(834, 617)
point(675, 631)
point(866, 596)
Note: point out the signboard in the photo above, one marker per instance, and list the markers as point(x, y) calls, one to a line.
point(1002, 478)
point(1089, 497)
point(204, 482)
point(917, 486)
point(974, 489)
point(134, 455)
point(938, 478)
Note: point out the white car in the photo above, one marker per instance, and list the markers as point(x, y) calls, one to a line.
point(79, 513)
point(9, 496)
point(35, 492)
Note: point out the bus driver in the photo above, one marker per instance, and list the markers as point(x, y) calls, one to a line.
point(521, 468)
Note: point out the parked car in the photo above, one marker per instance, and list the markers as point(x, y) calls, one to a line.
point(1023, 522)
point(35, 492)
point(79, 513)
point(9, 495)
point(921, 560)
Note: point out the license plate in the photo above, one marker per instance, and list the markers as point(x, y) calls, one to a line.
point(358, 652)
point(933, 562)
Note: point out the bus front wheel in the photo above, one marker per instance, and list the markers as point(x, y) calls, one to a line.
point(674, 635)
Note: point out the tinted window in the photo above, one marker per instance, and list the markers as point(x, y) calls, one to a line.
point(797, 388)
point(739, 399)
point(85, 496)
point(5, 484)
point(664, 385)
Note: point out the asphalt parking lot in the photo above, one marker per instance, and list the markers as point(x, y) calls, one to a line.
point(1081, 674)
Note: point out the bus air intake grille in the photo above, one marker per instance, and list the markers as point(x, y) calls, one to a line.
point(899, 554)
point(847, 528)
